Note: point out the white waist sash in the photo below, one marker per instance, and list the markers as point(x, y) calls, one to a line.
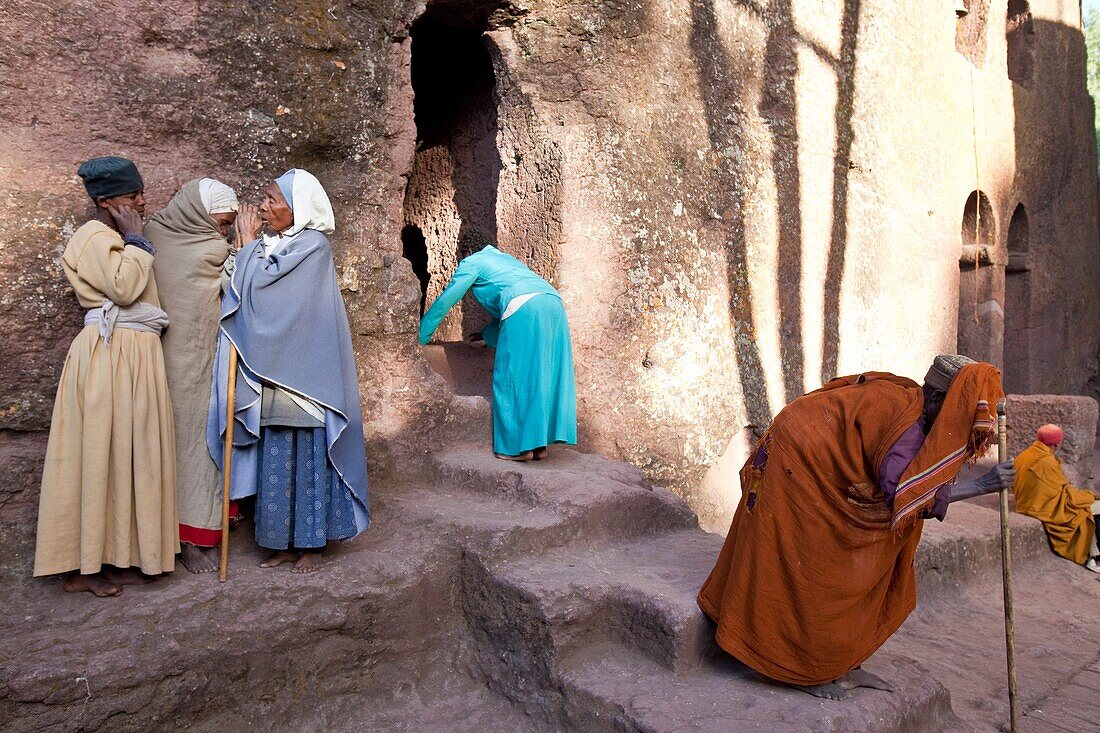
point(137, 317)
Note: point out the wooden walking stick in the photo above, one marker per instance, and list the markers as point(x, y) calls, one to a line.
point(227, 460)
point(1006, 572)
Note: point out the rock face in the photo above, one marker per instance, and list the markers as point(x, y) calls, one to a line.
point(737, 201)
point(1076, 415)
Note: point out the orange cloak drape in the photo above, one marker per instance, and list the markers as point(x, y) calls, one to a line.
point(818, 573)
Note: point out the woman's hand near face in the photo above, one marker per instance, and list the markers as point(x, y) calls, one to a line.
point(248, 225)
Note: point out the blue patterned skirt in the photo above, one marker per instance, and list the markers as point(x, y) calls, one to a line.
point(301, 501)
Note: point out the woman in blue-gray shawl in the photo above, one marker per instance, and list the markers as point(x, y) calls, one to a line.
point(298, 439)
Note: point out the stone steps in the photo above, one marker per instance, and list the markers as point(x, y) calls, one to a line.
point(610, 638)
point(607, 640)
point(591, 498)
point(638, 592)
point(611, 690)
point(548, 596)
point(540, 616)
point(966, 547)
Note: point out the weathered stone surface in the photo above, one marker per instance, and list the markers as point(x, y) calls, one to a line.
point(557, 596)
point(737, 201)
point(1076, 415)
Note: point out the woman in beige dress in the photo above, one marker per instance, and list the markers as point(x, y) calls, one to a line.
point(190, 237)
point(109, 483)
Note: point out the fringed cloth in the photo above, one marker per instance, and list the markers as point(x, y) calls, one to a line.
point(963, 431)
point(817, 570)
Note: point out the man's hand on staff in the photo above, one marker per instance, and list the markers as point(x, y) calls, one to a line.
point(1001, 476)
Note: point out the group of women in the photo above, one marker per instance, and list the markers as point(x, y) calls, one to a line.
point(133, 464)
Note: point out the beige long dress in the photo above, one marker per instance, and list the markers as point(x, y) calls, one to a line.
point(190, 255)
point(109, 484)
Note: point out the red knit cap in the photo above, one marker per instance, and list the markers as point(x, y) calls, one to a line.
point(1050, 435)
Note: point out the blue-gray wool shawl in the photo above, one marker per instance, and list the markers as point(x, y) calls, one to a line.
point(287, 319)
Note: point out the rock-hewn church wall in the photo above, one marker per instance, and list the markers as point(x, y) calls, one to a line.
point(737, 200)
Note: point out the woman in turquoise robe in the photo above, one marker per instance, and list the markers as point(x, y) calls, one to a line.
point(534, 390)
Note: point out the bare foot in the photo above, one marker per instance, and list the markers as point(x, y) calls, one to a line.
point(524, 456)
point(540, 453)
point(859, 677)
point(307, 563)
point(200, 559)
point(127, 576)
point(276, 559)
point(829, 691)
point(77, 583)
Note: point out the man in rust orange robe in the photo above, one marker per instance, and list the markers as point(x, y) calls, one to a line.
point(1043, 491)
point(817, 570)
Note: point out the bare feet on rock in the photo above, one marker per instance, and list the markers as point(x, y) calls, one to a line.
point(307, 563)
point(127, 576)
point(276, 559)
point(200, 559)
point(97, 584)
point(539, 454)
point(860, 677)
point(525, 456)
point(828, 691)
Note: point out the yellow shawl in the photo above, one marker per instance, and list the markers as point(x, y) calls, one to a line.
point(1043, 492)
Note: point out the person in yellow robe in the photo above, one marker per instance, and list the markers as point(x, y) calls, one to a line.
point(1043, 491)
point(108, 501)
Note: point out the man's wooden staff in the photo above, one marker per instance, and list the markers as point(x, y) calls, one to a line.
point(227, 460)
point(1006, 571)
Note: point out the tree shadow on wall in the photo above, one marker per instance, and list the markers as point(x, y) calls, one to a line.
point(724, 90)
point(845, 67)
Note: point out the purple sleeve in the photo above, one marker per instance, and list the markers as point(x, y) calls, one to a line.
point(939, 506)
point(897, 460)
point(140, 242)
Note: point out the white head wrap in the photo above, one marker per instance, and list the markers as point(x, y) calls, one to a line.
point(217, 198)
point(310, 205)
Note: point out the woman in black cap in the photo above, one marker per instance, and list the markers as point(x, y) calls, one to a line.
point(109, 485)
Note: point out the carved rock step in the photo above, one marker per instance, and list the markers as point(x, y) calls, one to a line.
point(639, 592)
point(540, 618)
point(966, 548)
point(368, 641)
point(610, 639)
point(594, 498)
point(608, 688)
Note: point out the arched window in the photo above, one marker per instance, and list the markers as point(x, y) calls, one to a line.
point(1019, 232)
point(981, 314)
point(978, 226)
point(1018, 326)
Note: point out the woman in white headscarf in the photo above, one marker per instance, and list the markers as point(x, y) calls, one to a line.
point(190, 236)
point(298, 436)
